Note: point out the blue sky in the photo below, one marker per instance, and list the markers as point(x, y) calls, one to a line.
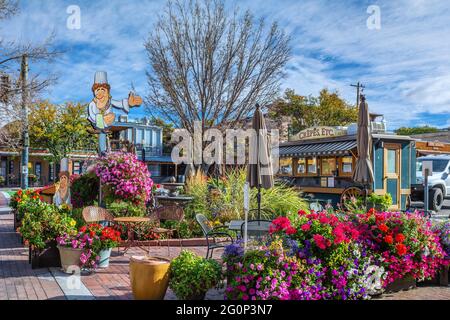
point(405, 65)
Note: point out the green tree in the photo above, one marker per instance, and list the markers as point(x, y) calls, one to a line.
point(60, 129)
point(328, 109)
point(415, 130)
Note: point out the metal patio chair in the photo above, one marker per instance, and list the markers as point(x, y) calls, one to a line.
point(212, 235)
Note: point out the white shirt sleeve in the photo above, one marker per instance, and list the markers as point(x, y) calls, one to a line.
point(121, 104)
point(92, 111)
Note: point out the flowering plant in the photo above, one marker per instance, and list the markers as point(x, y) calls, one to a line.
point(406, 242)
point(24, 197)
point(263, 273)
point(443, 231)
point(329, 245)
point(104, 237)
point(43, 222)
point(126, 177)
point(83, 241)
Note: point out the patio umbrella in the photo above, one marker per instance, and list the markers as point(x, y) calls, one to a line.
point(259, 174)
point(363, 171)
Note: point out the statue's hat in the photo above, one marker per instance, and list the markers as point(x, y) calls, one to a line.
point(100, 77)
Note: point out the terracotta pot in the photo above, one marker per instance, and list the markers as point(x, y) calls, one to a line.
point(149, 277)
point(69, 258)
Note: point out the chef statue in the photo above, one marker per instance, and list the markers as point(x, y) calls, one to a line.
point(100, 113)
point(62, 187)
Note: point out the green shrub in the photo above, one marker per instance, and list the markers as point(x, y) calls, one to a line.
point(43, 222)
point(223, 199)
point(84, 189)
point(192, 275)
point(126, 209)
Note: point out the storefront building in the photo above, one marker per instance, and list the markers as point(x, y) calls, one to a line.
point(320, 161)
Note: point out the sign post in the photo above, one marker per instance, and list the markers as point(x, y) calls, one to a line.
point(427, 170)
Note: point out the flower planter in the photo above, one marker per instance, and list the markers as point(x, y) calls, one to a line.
point(443, 276)
point(104, 258)
point(149, 277)
point(45, 258)
point(69, 258)
point(405, 283)
point(199, 296)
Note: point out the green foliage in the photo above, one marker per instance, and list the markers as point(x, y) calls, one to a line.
point(328, 109)
point(192, 275)
point(380, 202)
point(60, 129)
point(223, 199)
point(84, 189)
point(405, 131)
point(43, 222)
point(184, 229)
point(126, 209)
point(76, 214)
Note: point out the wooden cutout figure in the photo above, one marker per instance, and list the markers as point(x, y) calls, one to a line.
point(100, 112)
point(62, 194)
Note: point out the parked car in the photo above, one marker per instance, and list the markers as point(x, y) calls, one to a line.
point(438, 182)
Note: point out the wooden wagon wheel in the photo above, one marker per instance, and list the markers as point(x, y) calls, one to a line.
point(349, 192)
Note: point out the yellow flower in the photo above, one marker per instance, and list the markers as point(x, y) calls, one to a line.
point(73, 223)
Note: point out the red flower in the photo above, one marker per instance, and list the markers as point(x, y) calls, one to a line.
point(401, 249)
point(291, 230)
point(305, 227)
point(388, 239)
point(321, 241)
point(301, 212)
point(384, 228)
point(371, 211)
point(83, 229)
point(399, 237)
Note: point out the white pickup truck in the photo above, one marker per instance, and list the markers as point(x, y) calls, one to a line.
point(438, 183)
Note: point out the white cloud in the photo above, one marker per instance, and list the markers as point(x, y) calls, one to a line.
point(404, 65)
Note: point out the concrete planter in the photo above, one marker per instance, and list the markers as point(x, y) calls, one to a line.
point(70, 258)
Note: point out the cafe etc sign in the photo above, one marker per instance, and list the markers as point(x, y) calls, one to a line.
point(317, 133)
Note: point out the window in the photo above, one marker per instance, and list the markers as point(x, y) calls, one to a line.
point(391, 161)
point(76, 167)
point(51, 173)
point(328, 166)
point(285, 166)
point(155, 170)
point(311, 164)
point(301, 166)
point(38, 170)
point(346, 166)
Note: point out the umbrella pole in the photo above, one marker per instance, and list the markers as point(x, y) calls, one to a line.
point(258, 198)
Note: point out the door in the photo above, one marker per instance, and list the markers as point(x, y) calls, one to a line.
point(392, 173)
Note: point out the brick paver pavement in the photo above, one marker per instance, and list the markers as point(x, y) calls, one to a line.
point(19, 281)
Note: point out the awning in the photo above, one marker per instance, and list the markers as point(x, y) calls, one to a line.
point(318, 149)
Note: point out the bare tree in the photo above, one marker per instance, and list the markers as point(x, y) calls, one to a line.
point(10, 81)
point(210, 66)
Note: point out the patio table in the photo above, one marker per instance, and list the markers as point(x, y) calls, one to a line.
point(132, 224)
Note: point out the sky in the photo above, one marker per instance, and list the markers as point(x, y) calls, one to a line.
point(404, 61)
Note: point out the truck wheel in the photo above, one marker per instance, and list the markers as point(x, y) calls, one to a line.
point(436, 199)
